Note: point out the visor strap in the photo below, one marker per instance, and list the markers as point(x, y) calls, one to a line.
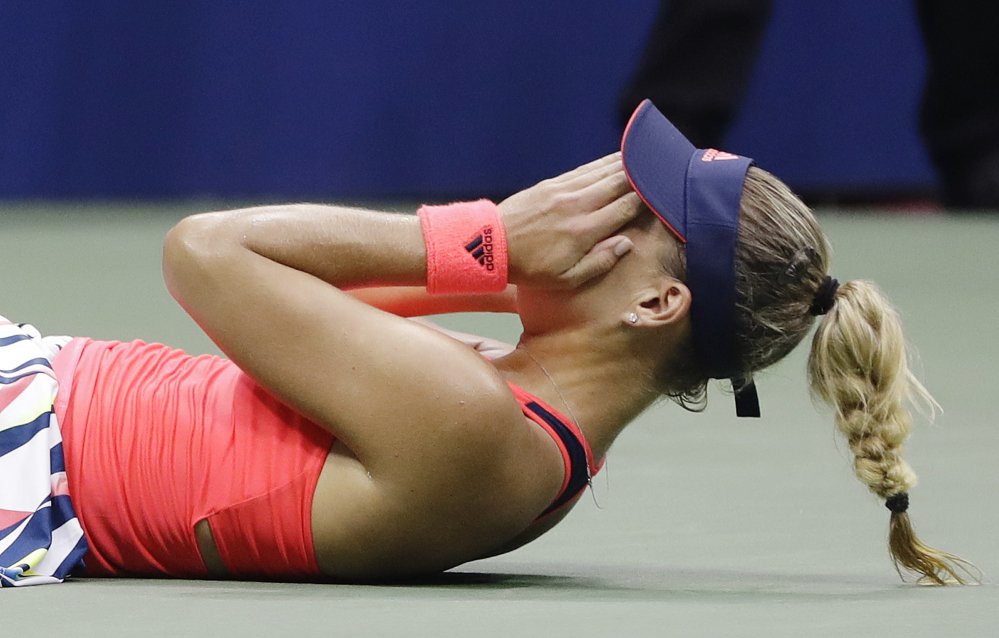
point(747, 401)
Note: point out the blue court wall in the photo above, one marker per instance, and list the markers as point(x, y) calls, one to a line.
point(382, 99)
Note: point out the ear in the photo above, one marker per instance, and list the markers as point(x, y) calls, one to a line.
point(668, 304)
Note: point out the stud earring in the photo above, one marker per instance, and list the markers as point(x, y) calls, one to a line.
point(633, 317)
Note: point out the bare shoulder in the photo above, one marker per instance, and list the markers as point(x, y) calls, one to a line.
point(482, 489)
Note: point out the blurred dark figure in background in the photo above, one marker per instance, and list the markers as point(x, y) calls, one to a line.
point(698, 62)
point(960, 115)
point(701, 53)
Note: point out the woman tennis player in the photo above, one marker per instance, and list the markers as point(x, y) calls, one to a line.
point(342, 441)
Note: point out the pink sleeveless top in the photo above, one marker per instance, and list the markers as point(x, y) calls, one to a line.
point(157, 440)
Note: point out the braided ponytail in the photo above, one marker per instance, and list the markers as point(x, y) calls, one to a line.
point(858, 365)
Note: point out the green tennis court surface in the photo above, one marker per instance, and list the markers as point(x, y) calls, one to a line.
point(700, 525)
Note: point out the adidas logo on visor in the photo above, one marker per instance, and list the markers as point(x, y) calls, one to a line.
point(712, 154)
point(481, 248)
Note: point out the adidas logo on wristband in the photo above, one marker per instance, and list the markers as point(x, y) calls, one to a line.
point(466, 248)
point(481, 248)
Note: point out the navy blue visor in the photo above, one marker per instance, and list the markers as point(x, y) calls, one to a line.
point(696, 193)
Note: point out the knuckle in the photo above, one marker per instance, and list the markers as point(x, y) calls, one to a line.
point(627, 207)
point(623, 211)
point(561, 199)
point(604, 264)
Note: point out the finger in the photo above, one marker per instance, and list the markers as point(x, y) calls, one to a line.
point(613, 216)
point(586, 168)
point(601, 193)
point(598, 261)
point(581, 181)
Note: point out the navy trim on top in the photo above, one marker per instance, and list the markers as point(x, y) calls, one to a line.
point(579, 472)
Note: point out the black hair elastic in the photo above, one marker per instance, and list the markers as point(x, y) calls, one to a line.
point(898, 502)
point(825, 297)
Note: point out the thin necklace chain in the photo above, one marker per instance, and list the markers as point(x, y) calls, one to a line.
point(520, 346)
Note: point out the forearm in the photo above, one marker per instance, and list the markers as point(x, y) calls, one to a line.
point(560, 234)
point(415, 301)
point(348, 248)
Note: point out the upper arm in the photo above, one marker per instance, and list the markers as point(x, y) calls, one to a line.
point(401, 396)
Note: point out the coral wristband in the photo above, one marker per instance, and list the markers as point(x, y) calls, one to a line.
point(466, 248)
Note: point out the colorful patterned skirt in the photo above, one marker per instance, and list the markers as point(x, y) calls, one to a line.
point(41, 540)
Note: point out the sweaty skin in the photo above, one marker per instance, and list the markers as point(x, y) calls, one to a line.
point(434, 464)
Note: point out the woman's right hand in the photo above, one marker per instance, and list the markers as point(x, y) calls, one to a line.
point(561, 232)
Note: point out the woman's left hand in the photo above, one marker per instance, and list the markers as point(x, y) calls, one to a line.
point(561, 232)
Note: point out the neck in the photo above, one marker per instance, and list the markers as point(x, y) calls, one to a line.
point(594, 379)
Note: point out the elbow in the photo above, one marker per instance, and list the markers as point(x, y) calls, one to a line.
point(189, 250)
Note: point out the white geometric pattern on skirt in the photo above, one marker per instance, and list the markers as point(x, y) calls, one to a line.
point(41, 540)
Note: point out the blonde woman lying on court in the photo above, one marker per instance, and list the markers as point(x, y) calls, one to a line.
point(341, 441)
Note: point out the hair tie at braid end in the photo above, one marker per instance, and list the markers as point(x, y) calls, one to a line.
point(898, 502)
point(825, 297)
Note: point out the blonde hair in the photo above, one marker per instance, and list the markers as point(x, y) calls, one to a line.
point(858, 365)
point(858, 360)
